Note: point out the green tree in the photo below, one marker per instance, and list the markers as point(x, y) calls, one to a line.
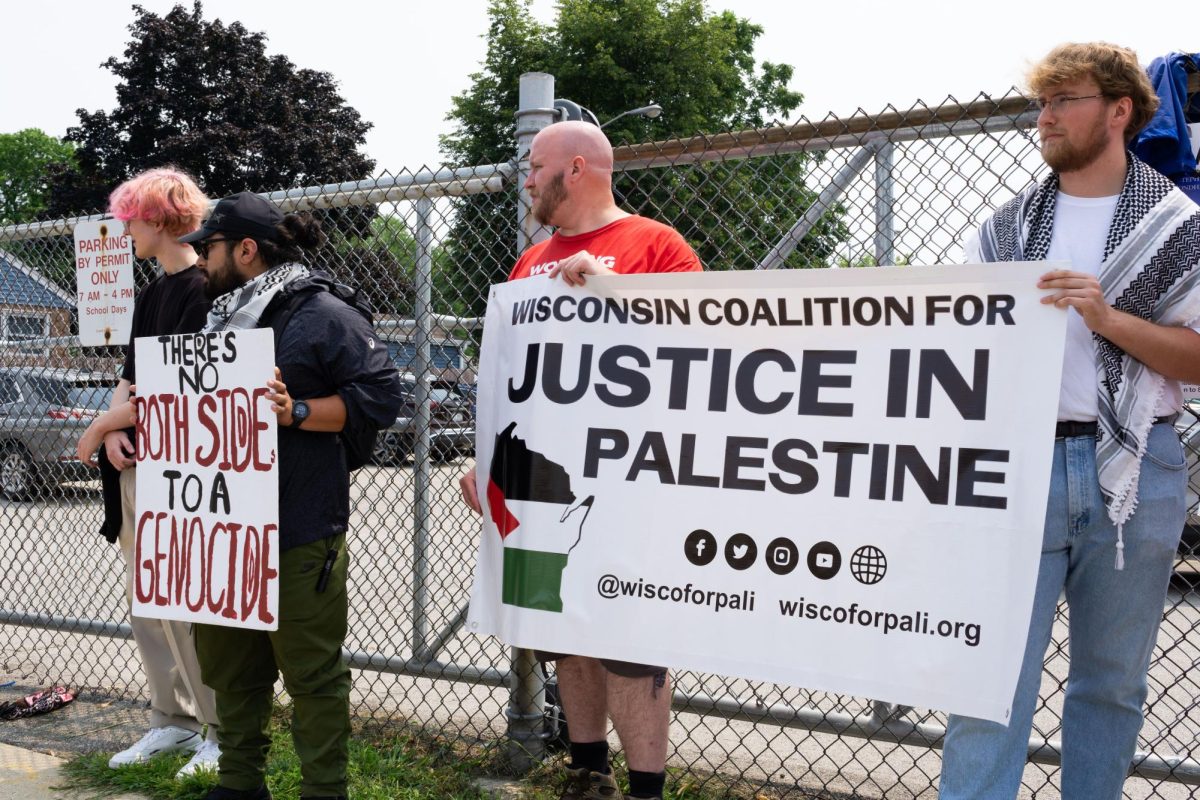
point(612, 56)
point(24, 159)
point(380, 262)
point(205, 96)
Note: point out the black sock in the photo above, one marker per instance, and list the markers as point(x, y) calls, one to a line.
point(646, 784)
point(593, 755)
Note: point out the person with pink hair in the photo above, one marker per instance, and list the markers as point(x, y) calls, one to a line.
point(158, 206)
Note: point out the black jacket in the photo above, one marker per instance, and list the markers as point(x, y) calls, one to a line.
point(326, 348)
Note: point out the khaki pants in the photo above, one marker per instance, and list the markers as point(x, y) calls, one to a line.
point(177, 695)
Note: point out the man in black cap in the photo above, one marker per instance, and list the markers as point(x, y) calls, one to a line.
point(333, 379)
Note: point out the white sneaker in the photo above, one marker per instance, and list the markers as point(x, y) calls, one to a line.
point(205, 758)
point(156, 742)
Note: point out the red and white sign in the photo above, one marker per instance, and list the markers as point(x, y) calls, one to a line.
point(206, 546)
point(104, 281)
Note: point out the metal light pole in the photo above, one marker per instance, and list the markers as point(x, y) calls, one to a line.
point(527, 693)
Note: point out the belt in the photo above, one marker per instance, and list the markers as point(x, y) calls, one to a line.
point(1069, 428)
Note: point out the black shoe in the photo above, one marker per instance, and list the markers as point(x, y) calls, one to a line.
point(223, 793)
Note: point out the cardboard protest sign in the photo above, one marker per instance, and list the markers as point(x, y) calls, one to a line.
point(206, 546)
point(835, 479)
point(104, 282)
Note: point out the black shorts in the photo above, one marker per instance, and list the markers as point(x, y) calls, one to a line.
point(625, 669)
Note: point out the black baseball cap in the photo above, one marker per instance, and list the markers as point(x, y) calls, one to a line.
point(244, 214)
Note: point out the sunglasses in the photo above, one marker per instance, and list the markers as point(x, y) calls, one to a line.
point(202, 247)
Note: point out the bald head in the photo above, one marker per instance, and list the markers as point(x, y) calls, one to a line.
point(572, 139)
point(570, 176)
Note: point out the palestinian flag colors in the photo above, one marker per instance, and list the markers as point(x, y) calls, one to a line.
point(529, 499)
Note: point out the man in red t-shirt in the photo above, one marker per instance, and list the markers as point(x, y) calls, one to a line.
point(570, 183)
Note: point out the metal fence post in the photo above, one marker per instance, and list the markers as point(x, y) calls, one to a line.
point(885, 199)
point(527, 698)
point(422, 313)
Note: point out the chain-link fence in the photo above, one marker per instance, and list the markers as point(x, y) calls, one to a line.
point(893, 188)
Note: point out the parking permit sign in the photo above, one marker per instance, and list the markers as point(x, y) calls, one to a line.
point(833, 479)
point(104, 282)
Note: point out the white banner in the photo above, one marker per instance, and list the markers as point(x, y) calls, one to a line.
point(104, 282)
point(834, 479)
point(206, 544)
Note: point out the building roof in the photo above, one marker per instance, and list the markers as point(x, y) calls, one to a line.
point(21, 285)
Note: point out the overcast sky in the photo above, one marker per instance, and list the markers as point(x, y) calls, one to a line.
point(399, 63)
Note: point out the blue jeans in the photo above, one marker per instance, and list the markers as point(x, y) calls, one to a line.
point(1113, 624)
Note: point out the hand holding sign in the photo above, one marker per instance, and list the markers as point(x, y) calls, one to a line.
point(575, 269)
point(281, 402)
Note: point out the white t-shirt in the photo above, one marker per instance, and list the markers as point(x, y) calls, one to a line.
point(1080, 231)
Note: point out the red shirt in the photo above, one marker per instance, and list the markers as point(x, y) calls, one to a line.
point(628, 245)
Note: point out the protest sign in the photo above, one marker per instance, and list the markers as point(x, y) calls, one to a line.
point(206, 542)
point(834, 479)
point(104, 282)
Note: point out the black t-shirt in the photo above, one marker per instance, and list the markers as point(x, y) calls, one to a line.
point(169, 304)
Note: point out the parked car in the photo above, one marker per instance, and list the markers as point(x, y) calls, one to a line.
point(43, 412)
point(451, 425)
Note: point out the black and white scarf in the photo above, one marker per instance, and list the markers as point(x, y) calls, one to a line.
point(244, 306)
point(1147, 270)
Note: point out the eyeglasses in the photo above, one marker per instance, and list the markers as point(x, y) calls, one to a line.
point(1058, 104)
point(201, 247)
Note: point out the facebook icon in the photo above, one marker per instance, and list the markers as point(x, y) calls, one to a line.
point(700, 547)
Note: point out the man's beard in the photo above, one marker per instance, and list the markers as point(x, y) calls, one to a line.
point(1066, 157)
point(220, 281)
point(551, 197)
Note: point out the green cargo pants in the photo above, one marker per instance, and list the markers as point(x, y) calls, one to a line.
point(242, 665)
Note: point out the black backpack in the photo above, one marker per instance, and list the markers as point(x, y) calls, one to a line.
point(358, 444)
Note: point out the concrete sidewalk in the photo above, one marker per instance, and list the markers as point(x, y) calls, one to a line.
point(28, 775)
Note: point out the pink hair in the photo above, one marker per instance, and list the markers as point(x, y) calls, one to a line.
point(164, 195)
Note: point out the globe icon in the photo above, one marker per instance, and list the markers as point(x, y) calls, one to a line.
point(868, 564)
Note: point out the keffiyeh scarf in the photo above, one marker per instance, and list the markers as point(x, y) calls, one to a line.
point(244, 306)
point(1148, 270)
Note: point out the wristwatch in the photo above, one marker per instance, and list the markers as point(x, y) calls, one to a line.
point(299, 413)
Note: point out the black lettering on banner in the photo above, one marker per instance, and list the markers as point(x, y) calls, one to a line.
point(781, 457)
point(897, 387)
point(813, 379)
point(935, 487)
point(744, 382)
point(735, 460)
point(552, 374)
point(681, 359)
point(969, 475)
point(969, 399)
point(529, 380)
point(687, 465)
point(879, 464)
point(641, 311)
point(637, 384)
point(846, 451)
point(618, 445)
point(652, 457)
point(718, 385)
